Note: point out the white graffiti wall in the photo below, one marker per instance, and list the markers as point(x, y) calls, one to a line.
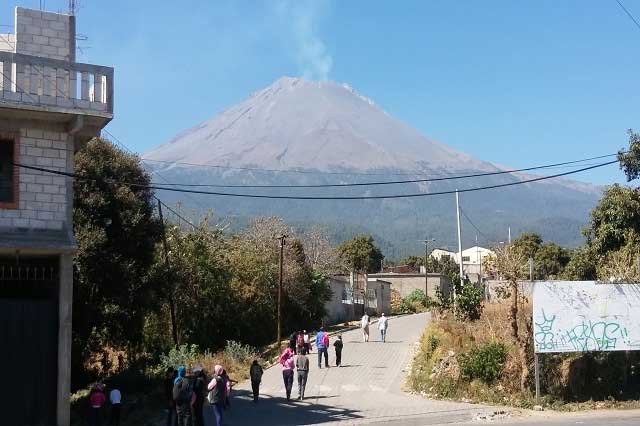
point(579, 316)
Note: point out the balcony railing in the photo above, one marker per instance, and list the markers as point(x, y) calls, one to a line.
point(44, 82)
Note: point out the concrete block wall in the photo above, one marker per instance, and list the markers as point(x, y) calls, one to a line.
point(45, 34)
point(42, 196)
point(7, 42)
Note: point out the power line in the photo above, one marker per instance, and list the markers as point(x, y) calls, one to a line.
point(628, 13)
point(118, 142)
point(482, 234)
point(320, 173)
point(295, 197)
point(397, 182)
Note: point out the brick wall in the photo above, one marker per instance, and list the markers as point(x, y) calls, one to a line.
point(42, 196)
point(46, 34)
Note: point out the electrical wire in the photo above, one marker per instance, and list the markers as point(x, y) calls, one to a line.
point(482, 234)
point(397, 182)
point(320, 173)
point(115, 140)
point(628, 13)
point(296, 197)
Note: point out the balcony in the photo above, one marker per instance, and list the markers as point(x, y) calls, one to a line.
point(34, 87)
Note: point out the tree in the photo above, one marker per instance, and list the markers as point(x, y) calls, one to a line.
point(528, 244)
point(630, 160)
point(200, 276)
point(511, 264)
point(615, 220)
point(320, 255)
point(116, 233)
point(361, 254)
point(549, 261)
point(581, 265)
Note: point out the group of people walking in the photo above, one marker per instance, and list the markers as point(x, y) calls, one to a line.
point(98, 399)
point(187, 396)
point(383, 324)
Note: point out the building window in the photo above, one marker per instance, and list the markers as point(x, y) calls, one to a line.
point(8, 172)
point(466, 258)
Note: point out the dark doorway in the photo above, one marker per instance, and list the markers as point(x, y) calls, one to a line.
point(29, 339)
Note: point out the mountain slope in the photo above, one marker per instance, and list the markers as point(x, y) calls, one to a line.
point(302, 132)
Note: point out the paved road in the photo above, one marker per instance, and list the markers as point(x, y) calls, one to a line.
point(367, 389)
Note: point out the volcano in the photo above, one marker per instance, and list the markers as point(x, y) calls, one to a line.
point(305, 132)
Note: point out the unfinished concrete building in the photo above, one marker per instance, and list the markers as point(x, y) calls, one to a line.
point(50, 105)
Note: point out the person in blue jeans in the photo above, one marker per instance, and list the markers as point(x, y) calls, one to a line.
point(217, 394)
point(322, 342)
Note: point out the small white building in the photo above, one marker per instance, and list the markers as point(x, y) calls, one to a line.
point(472, 258)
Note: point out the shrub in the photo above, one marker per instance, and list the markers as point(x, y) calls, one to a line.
point(484, 362)
point(182, 355)
point(469, 302)
point(239, 352)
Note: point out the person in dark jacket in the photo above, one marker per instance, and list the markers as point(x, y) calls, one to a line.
point(183, 397)
point(172, 419)
point(228, 382)
point(338, 346)
point(200, 390)
point(255, 372)
point(292, 341)
point(217, 393)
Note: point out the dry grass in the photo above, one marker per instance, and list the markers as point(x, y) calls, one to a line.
point(569, 381)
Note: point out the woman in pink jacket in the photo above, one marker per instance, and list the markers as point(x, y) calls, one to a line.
point(287, 362)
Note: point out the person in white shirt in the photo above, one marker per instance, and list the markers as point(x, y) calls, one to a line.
point(382, 326)
point(115, 397)
point(364, 324)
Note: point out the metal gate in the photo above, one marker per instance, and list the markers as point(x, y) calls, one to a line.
point(29, 339)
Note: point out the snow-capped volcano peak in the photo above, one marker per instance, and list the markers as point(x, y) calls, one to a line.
point(297, 123)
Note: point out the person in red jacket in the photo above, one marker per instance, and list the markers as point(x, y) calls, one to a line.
point(96, 401)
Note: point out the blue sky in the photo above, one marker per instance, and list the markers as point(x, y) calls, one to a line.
point(514, 83)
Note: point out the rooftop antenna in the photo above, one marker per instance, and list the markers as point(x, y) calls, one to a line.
point(72, 7)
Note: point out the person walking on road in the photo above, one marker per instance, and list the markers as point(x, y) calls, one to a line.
point(199, 389)
point(183, 397)
point(171, 374)
point(255, 372)
point(338, 346)
point(322, 343)
point(302, 365)
point(299, 342)
point(217, 393)
point(286, 360)
point(97, 399)
point(382, 326)
point(364, 324)
point(292, 341)
point(229, 382)
point(307, 341)
point(115, 398)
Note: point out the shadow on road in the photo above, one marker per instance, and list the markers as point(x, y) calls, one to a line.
point(271, 411)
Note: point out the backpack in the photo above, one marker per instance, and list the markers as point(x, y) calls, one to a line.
point(325, 340)
point(182, 392)
point(215, 395)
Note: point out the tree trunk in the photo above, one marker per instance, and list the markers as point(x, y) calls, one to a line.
point(514, 311)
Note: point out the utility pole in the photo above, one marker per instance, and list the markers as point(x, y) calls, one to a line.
point(479, 256)
point(172, 308)
point(459, 247)
point(426, 242)
point(281, 242)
